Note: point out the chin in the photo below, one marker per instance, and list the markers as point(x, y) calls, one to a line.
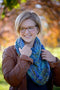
point(27, 40)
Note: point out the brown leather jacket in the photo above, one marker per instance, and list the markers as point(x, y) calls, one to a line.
point(14, 69)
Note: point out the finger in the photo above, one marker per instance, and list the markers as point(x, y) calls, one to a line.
point(44, 58)
point(20, 49)
point(42, 50)
point(43, 53)
point(26, 58)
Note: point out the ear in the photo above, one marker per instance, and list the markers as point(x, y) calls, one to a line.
point(37, 31)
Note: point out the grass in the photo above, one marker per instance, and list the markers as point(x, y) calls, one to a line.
point(54, 51)
point(4, 85)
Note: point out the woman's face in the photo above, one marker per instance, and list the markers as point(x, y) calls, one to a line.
point(28, 30)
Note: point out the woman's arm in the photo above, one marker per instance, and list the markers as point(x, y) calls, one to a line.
point(14, 73)
point(54, 64)
point(56, 73)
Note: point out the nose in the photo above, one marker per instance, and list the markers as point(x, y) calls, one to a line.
point(26, 31)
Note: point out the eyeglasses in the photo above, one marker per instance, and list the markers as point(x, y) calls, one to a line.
point(30, 29)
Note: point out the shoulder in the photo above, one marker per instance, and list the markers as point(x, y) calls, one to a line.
point(9, 52)
point(8, 49)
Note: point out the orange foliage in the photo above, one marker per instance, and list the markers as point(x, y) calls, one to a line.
point(51, 38)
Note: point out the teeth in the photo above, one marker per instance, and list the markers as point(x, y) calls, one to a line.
point(27, 36)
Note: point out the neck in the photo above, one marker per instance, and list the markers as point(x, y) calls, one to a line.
point(30, 44)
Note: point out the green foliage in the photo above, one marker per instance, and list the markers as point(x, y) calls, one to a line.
point(3, 15)
point(17, 6)
point(3, 83)
point(23, 1)
point(10, 4)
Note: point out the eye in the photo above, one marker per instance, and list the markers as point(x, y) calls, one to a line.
point(22, 28)
point(30, 28)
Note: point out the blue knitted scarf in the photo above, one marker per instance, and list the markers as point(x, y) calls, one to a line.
point(39, 71)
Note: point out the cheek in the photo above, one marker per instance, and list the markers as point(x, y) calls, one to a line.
point(21, 34)
point(34, 33)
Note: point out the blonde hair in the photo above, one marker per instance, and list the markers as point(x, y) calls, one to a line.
point(28, 14)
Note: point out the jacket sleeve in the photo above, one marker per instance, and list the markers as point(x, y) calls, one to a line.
point(55, 67)
point(13, 73)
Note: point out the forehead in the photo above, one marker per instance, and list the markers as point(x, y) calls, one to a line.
point(28, 22)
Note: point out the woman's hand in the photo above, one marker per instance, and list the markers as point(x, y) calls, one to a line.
point(25, 51)
point(46, 55)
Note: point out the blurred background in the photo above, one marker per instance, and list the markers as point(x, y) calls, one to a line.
point(49, 12)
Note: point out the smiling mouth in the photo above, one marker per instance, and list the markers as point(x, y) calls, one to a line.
point(27, 36)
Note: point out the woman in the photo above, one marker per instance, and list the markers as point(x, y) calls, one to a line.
point(22, 65)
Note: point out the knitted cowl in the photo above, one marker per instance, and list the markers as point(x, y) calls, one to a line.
point(39, 71)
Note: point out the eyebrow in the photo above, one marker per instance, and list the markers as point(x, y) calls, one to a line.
point(29, 26)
